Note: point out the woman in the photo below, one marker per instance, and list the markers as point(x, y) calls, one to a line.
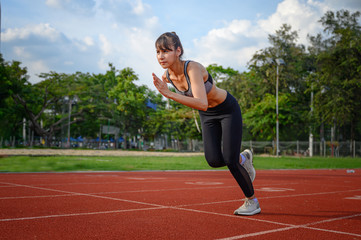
point(219, 112)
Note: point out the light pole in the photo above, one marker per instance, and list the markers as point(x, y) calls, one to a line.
point(277, 120)
point(279, 62)
point(0, 27)
point(71, 101)
point(69, 116)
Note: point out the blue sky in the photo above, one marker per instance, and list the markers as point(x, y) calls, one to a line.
point(85, 35)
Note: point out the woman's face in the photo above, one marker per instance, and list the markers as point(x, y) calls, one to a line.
point(166, 58)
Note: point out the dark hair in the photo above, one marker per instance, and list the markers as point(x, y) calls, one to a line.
point(167, 40)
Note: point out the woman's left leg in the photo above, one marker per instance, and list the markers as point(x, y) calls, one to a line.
point(232, 139)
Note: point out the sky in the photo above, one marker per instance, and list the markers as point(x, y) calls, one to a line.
point(67, 36)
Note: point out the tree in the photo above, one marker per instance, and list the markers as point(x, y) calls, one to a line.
point(46, 98)
point(292, 81)
point(130, 101)
point(337, 82)
point(12, 78)
point(261, 118)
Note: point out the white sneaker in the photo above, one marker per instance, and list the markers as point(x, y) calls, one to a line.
point(248, 164)
point(250, 207)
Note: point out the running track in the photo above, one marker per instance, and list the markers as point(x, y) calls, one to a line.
point(296, 204)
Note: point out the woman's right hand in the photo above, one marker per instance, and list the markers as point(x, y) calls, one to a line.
point(161, 86)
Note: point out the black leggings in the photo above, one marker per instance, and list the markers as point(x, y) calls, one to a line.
point(224, 123)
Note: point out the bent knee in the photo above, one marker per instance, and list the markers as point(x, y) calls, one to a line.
point(215, 162)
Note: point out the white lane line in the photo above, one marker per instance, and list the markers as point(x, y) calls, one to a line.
point(273, 189)
point(44, 196)
point(258, 233)
point(271, 197)
point(119, 192)
point(333, 231)
point(174, 189)
point(305, 226)
point(88, 195)
point(356, 197)
point(150, 204)
point(78, 214)
point(129, 191)
point(92, 183)
point(289, 226)
point(333, 219)
point(233, 216)
point(311, 194)
point(135, 182)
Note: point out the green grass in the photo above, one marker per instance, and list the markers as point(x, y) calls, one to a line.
point(87, 163)
point(306, 163)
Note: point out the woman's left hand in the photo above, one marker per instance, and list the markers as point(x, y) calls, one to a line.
point(161, 86)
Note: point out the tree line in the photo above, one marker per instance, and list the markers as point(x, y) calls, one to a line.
point(319, 93)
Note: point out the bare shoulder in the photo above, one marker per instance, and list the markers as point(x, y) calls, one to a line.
point(196, 67)
point(192, 65)
point(164, 77)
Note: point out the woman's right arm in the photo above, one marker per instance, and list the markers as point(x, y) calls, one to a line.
point(196, 103)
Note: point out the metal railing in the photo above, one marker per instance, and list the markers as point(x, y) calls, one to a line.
point(290, 148)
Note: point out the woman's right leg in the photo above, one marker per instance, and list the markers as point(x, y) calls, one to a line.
point(212, 140)
point(227, 128)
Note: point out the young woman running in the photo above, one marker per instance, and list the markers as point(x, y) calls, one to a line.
point(219, 112)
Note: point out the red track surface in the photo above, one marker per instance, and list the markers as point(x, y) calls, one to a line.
point(296, 204)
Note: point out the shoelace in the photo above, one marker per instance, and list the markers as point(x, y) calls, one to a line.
point(247, 203)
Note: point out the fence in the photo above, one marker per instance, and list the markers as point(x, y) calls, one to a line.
point(291, 148)
point(302, 148)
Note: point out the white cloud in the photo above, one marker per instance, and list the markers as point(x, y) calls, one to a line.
point(234, 44)
point(106, 46)
point(75, 6)
point(301, 16)
point(54, 3)
point(37, 67)
point(351, 5)
point(21, 52)
point(138, 7)
point(92, 34)
point(89, 41)
point(43, 30)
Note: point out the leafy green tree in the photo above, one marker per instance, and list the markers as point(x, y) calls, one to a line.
point(101, 109)
point(5, 82)
point(262, 118)
point(337, 81)
point(45, 101)
point(12, 78)
point(130, 102)
point(292, 81)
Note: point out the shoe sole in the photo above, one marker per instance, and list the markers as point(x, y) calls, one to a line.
point(257, 211)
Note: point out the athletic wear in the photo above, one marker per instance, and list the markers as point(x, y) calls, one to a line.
point(222, 138)
point(223, 125)
point(207, 84)
point(248, 163)
point(250, 207)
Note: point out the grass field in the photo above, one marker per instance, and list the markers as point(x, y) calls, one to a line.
point(137, 163)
